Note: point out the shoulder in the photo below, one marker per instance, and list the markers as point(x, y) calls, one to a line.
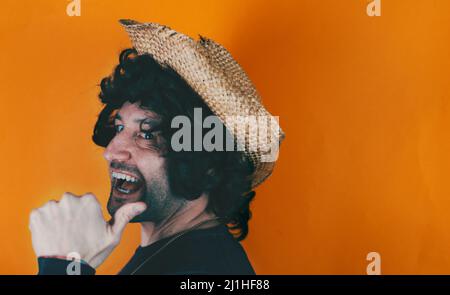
point(206, 251)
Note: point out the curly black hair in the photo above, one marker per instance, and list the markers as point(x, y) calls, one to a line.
point(223, 175)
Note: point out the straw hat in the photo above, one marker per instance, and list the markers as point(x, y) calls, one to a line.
point(212, 72)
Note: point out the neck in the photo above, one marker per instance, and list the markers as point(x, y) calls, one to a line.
point(187, 216)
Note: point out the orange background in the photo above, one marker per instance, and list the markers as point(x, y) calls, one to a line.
point(364, 102)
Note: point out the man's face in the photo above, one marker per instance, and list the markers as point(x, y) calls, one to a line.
point(138, 171)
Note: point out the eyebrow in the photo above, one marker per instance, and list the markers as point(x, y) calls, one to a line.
point(154, 123)
point(139, 120)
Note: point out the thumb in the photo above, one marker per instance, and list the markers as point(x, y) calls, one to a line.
point(123, 216)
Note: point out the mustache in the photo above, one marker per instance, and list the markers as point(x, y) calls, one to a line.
point(125, 167)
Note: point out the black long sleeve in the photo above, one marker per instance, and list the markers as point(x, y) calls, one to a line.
point(56, 266)
point(206, 251)
point(203, 251)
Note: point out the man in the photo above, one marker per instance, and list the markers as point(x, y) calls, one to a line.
point(191, 200)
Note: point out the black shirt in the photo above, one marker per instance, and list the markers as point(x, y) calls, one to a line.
point(202, 251)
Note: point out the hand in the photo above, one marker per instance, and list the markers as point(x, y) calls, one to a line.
point(76, 224)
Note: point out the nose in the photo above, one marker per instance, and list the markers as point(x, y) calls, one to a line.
point(117, 149)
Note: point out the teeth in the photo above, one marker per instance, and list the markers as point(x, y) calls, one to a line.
point(124, 176)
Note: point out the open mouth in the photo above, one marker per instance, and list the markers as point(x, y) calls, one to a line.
point(125, 183)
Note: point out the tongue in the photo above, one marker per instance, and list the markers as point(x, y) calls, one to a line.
point(126, 185)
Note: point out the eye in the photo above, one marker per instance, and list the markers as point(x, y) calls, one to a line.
point(147, 135)
point(118, 128)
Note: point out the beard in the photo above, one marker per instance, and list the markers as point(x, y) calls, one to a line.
point(155, 194)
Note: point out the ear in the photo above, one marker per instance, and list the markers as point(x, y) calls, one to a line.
point(212, 179)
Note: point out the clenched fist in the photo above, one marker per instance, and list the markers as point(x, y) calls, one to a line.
point(76, 224)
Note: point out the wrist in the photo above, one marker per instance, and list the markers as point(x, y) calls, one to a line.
point(62, 257)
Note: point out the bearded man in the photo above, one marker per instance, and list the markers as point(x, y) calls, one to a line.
point(193, 203)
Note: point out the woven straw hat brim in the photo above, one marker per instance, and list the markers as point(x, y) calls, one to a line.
point(220, 81)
